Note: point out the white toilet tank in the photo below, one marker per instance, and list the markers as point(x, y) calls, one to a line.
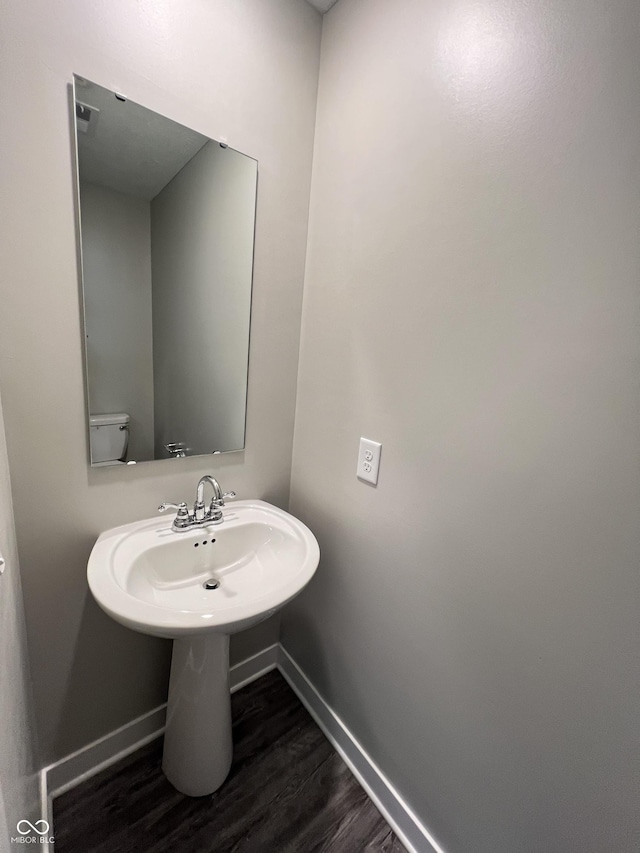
point(109, 438)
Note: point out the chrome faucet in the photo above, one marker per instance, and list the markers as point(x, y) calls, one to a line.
point(176, 449)
point(201, 516)
point(217, 500)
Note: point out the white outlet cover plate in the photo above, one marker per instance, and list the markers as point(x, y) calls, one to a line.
point(369, 460)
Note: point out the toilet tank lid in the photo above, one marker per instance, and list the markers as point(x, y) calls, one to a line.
point(105, 420)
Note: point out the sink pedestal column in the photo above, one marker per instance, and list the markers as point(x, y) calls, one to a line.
point(197, 743)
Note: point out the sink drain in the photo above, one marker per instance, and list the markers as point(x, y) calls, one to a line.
point(212, 583)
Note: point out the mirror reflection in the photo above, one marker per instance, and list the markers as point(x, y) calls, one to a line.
point(166, 226)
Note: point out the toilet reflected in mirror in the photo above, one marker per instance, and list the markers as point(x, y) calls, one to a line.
point(109, 439)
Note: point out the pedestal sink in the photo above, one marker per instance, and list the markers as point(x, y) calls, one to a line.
point(197, 588)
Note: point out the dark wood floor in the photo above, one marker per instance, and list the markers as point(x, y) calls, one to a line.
point(288, 792)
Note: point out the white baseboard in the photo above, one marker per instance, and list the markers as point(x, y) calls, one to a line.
point(91, 759)
point(413, 835)
point(248, 670)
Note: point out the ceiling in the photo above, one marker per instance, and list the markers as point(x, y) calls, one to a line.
point(322, 5)
point(128, 148)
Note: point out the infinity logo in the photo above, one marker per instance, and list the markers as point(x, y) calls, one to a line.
point(32, 828)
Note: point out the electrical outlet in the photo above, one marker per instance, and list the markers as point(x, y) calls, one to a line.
point(369, 460)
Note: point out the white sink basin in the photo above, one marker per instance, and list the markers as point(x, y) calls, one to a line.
point(151, 579)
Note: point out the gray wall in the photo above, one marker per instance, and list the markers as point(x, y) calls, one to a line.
point(18, 778)
point(471, 301)
point(246, 71)
point(116, 265)
point(202, 227)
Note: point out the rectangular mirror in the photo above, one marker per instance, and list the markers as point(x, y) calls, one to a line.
point(167, 221)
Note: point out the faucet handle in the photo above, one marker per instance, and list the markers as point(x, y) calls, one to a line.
point(181, 507)
point(182, 519)
point(216, 503)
